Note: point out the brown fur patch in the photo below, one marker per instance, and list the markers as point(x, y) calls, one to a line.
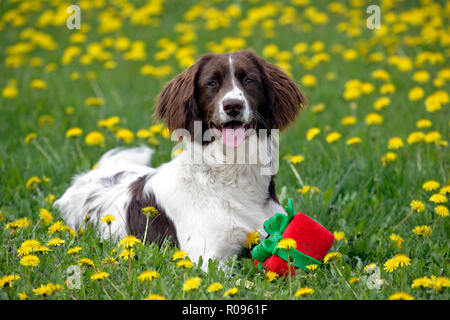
point(284, 98)
point(159, 226)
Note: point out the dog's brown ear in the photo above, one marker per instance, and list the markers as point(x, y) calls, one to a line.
point(284, 99)
point(177, 102)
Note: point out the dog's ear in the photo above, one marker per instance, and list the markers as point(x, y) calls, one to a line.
point(177, 101)
point(284, 99)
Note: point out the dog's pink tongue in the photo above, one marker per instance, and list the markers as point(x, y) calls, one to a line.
point(233, 136)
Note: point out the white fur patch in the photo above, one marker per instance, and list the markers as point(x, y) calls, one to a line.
point(234, 93)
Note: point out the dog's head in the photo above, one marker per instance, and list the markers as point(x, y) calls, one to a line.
point(230, 94)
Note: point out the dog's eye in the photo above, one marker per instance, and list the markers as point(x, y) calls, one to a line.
point(249, 81)
point(212, 83)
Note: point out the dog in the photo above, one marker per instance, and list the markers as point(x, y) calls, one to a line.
point(208, 207)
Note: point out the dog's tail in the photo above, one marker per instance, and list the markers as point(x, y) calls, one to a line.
point(104, 190)
point(121, 157)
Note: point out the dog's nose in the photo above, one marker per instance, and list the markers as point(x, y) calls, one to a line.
point(232, 107)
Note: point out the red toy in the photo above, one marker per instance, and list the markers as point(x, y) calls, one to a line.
point(313, 242)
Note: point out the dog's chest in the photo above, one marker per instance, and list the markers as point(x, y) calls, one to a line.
point(213, 211)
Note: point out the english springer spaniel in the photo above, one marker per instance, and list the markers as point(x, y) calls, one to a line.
point(225, 109)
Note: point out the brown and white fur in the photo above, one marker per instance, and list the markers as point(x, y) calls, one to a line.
point(207, 208)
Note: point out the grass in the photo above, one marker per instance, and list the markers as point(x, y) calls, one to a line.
point(359, 196)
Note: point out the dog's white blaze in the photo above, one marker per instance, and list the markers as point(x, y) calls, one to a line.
point(234, 93)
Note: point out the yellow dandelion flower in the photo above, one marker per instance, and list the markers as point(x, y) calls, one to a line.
point(22, 222)
point(38, 84)
point(353, 280)
point(86, 262)
point(109, 260)
point(437, 283)
point(445, 190)
point(401, 296)
point(252, 239)
point(129, 242)
point(331, 256)
point(309, 80)
point(125, 135)
point(32, 182)
point(153, 296)
point(184, 263)
point(94, 101)
point(438, 198)
point(318, 108)
point(149, 211)
point(381, 103)
point(395, 143)
point(423, 123)
point(108, 219)
point(339, 235)
point(213, 287)
point(30, 137)
point(50, 198)
point(287, 244)
point(311, 133)
point(143, 134)
point(74, 250)
point(433, 137)
point(417, 205)
point(333, 137)
point(348, 121)
point(311, 267)
point(398, 240)
point(380, 74)
point(231, 292)
point(99, 275)
point(42, 249)
point(388, 158)
point(421, 76)
point(374, 119)
point(94, 138)
point(192, 284)
point(126, 254)
point(28, 246)
point(353, 140)
point(55, 242)
point(8, 280)
point(423, 282)
point(70, 231)
point(423, 230)
point(415, 137)
point(390, 265)
point(416, 93)
point(10, 92)
point(179, 255)
point(109, 123)
point(296, 159)
point(47, 289)
point(74, 132)
point(57, 226)
point(442, 210)
point(430, 185)
point(45, 216)
point(270, 275)
point(30, 261)
point(22, 295)
point(402, 259)
point(304, 291)
point(148, 275)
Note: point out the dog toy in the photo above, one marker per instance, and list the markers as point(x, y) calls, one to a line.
point(312, 243)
